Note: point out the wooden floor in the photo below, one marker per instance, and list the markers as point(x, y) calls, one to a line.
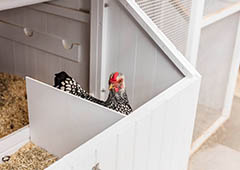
point(204, 119)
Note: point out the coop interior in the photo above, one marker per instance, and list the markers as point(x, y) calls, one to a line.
point(41, 40)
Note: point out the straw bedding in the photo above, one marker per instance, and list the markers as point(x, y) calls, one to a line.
point(29, 157)
point(13, 104)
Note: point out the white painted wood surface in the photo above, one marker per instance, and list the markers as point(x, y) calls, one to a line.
point(233, 74)
point(48, 32)
point(60, 122)
point(9, 4)
point(156, 136)
point(218, 61)
point(60, 11)
point(83, 5)
point(127, 49)
point(19, 59)
point(216, 48)
point(11, 143)
point(216, 10)
point(218, 15)
point(43, 55)
point(194, 31)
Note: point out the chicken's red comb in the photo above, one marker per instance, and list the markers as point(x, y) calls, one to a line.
point(114, 77)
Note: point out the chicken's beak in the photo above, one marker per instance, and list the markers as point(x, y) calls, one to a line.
point(111, 86)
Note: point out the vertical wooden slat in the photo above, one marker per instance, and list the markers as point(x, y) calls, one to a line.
point(144, 76)
point(142, 143)
point(156, 135)
point(107, 153)
point(125, 147)
point(6, 56)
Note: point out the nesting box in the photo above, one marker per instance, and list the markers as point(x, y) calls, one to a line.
point(162, 88)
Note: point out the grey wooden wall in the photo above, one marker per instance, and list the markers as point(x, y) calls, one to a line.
point(43, 54)
point(128, 49)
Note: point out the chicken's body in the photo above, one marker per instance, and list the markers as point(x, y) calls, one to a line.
point(117, 99)
point(66, 83)
point(118, 103)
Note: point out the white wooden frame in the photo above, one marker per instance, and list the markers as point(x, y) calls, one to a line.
point(9, 4)
point(194, 31)
point(192, 55)
point(212, 18)
point(11, 143)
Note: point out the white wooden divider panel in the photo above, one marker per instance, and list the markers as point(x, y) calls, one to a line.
point(60, 122)
point(157, 136)
point(128, 49)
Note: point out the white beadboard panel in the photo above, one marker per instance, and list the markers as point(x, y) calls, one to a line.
point(219, 40)
point(157, 136)
point(41, 41)
point(74, 4)
point(103, 152)
point(143, 126)
point(125, 145)
point(7, 56)
point(63, 12)
point(23, 60)
point(48, 32)
point(68, 29)
point(136, 56)
point(6, 4)
point(145, 70)
point(78, 120)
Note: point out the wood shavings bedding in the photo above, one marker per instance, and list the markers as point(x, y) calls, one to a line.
point(13, 104)
point(29, 157)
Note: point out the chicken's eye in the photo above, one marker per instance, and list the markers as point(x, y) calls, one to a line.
point(120, 81)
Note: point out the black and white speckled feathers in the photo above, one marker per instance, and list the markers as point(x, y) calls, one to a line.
point(66, 83)
point(118, 101)
point(117, 98)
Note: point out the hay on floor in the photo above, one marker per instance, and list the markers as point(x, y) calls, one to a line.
point(13, 104)
point(29, 157)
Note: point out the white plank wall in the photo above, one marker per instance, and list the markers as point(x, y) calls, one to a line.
point(74, 4)
point(42, 55)
point(130, 50)
point(22, 60)
point(157, 136)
